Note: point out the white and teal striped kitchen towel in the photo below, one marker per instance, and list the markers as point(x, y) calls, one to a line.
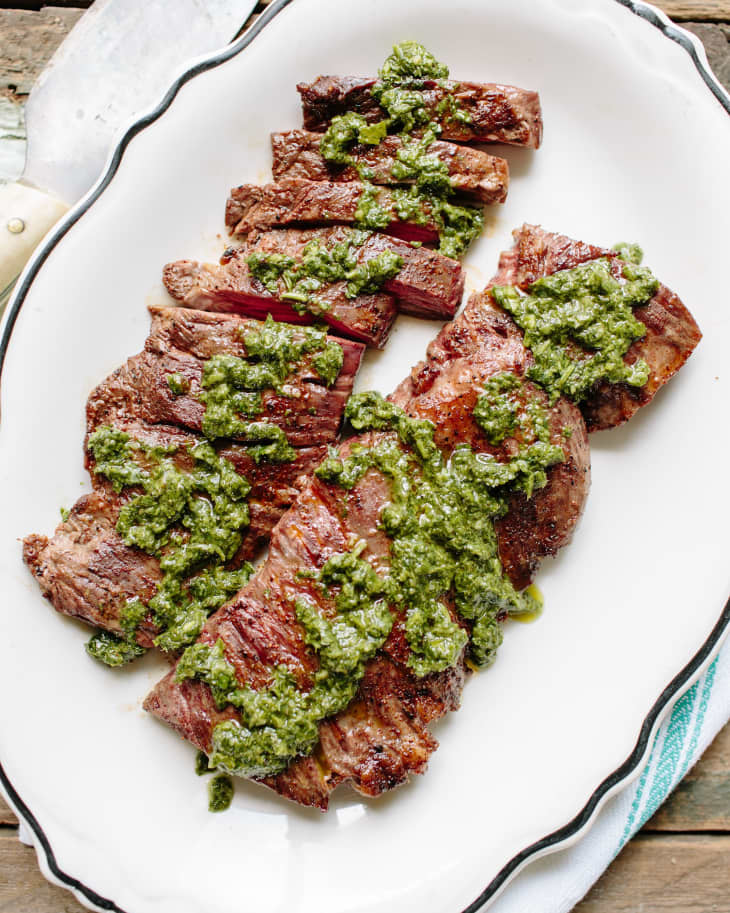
point(557, 882)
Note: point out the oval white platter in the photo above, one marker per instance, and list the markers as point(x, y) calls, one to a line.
point(636, 142)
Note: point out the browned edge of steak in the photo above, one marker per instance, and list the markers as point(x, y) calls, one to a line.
point(671, 335)
point(497, 113)
point(85, 569)
point(180, 342)
point(473, 173)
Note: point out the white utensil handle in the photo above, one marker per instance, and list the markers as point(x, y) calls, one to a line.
point(26, 214)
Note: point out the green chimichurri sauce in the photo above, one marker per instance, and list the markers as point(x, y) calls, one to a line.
point(202, 765)
point(444, 575)
point(319, 264)
point(399, 92)
point(220, 793)
point(279, 722)
point(505, 409)
point(409, 63)
point(440, 521)
point(193, 520)
point(232, 386)
point(178, 384)
point(579, 324)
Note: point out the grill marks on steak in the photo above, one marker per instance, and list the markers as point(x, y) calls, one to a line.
point(381, 738)
point(497, 113)
point(294, 202)
point(180, 342)
point(474, 173)
point(428, 285)
point(671, 332)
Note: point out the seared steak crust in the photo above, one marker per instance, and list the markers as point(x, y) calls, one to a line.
point(472, 172)
point(179, 343)
point(671, 332)
point(294, 202)
point(497, 113)
point(381, 737)
point(85, 569)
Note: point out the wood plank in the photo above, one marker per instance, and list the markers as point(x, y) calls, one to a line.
point(713, 10)
point(22, 887)
point(701, 802)
point(665, 874)
point(7, 818)
point(28, 41)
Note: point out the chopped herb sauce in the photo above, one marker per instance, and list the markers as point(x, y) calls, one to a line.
point(443, 555)
point(112, 650)
point(192, 519)
point(505, 408)
point(399, 92)
point(202, 766)
point(579, 324)
point(220, 793)
point(178, 384)
point(322, 264)
point(232, 386)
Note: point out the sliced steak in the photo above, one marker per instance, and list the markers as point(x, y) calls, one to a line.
point(230, 288)
point(428, 284)
point(179, 344)
point(496, 113)
point(381, 738)
point(87, 571)
point(472, 172)
point(295, 202)
point(671, 332)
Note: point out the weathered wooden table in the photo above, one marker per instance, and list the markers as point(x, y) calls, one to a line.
point(680, 862)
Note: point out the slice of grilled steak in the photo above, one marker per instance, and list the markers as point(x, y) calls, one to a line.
point(179, 343)
point(428, 284)
point(381, 738)
point(496, 113)
point(473, 172)
point(230, 288)
point(295, 202)
point(87, 571)
point(671, 332)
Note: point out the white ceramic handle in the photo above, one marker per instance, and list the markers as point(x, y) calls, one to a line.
point(26, 214)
